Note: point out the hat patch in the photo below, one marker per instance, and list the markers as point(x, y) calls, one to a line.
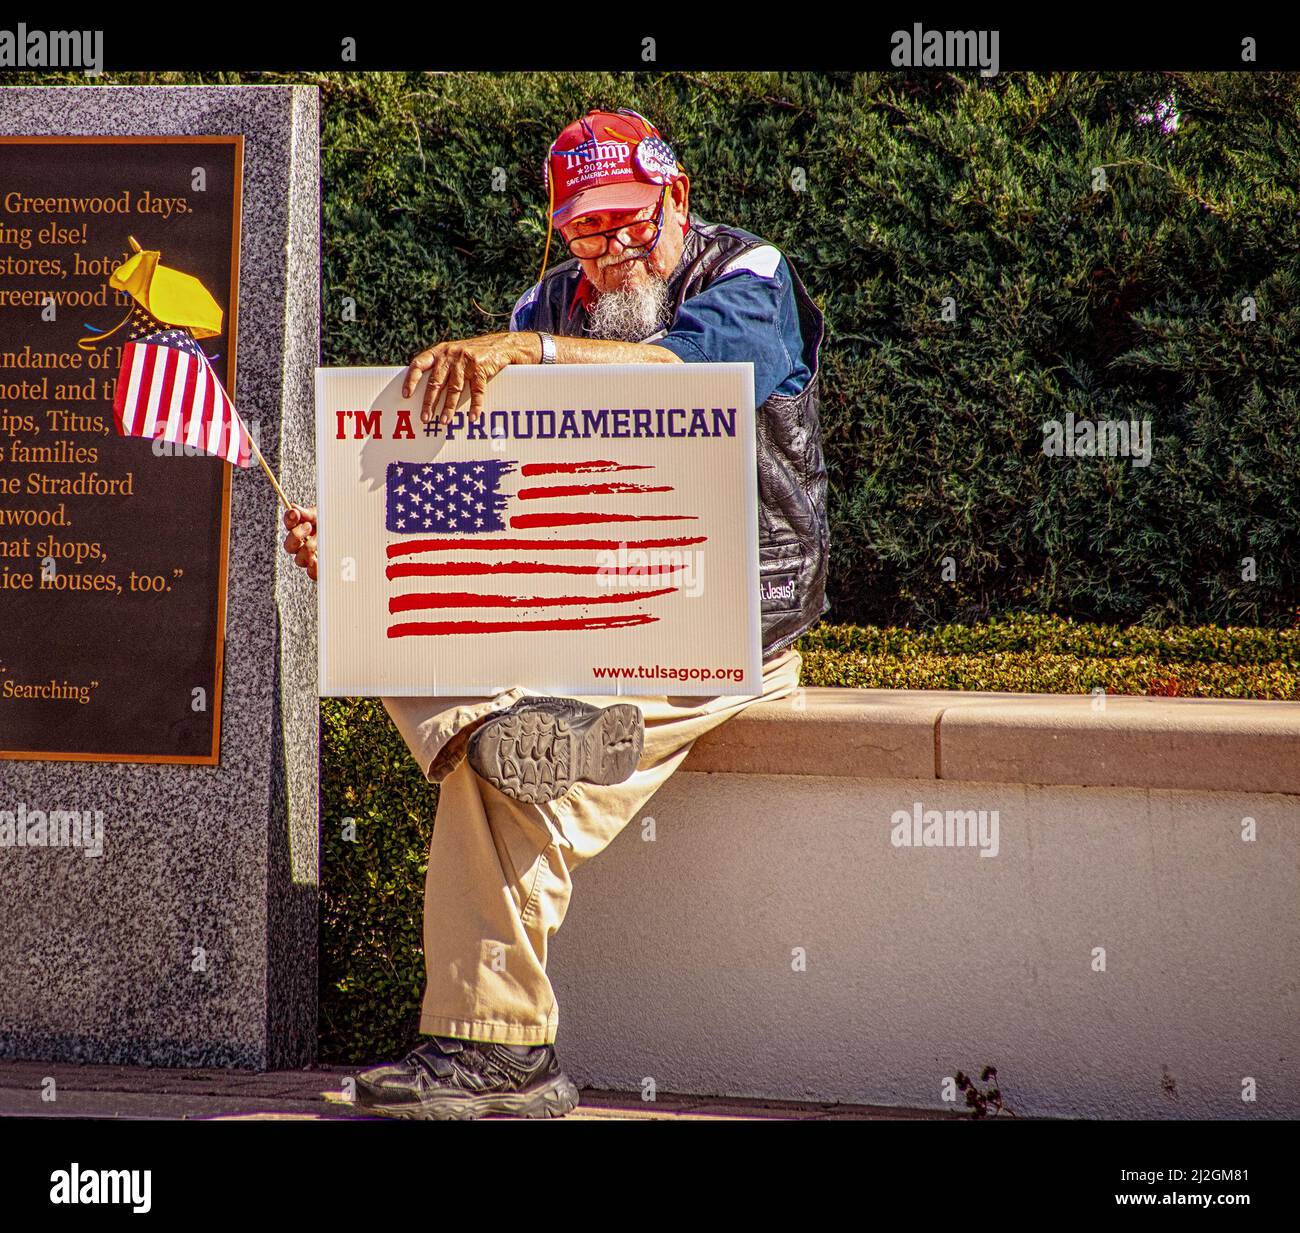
point(654, 158)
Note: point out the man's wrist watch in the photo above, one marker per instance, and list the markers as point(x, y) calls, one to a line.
point(548, 348)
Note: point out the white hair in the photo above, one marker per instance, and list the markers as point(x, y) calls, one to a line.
point(632, 312)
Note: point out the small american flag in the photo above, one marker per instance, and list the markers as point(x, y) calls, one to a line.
point(166, 388)
point(539, 540)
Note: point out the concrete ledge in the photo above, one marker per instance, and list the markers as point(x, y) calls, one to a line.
point(1124, 943)
point(1045, 739)
point(877, 733)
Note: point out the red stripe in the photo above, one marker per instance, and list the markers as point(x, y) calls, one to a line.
point(469, 599)
point(237, 431)
point(568, 468)
point(219, 406)
point(123, 380)
point(522, 567)
point(411, 629)
point(167, 384)
point(209, 406)
point(538, 545)
point(221, 409)
point(187, 398)
point(578, 490)
point(146, 381)
point(570, 520)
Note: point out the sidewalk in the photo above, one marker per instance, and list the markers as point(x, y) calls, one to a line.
point(314, 1095)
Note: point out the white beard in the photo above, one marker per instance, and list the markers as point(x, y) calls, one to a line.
point(630, 313)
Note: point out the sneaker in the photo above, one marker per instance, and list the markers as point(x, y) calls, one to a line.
point(537, 749)
point(448, 1079)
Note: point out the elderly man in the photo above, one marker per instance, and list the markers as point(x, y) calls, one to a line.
point(532, 786)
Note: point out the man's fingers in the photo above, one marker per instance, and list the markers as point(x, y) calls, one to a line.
point(418, 367)
point(301, 521)
point(437, 375)
point(300, 543)
point(454, 366)
point(299, 536)
point(455, 383)
point(477, 390)
point(296, 514)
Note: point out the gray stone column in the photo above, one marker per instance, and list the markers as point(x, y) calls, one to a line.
point(95, 954)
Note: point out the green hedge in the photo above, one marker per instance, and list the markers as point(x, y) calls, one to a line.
point(372, 974)
point(1206, 644)
point(1030, 654)
point(372, 889)
point(893, 193)
point(1120, 304)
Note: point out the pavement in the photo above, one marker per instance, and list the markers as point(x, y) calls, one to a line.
point(317, 1094)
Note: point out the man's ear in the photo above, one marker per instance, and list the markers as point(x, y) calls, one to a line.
point(681, 195)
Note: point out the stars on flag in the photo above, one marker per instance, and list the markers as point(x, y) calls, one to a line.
point(450, 497)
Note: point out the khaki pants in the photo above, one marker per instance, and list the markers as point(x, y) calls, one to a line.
point(500, 871)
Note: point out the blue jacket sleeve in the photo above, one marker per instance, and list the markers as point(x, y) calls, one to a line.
point(744, 316)
point(522, 316)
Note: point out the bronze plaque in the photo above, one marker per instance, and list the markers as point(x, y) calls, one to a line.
point(112, 549)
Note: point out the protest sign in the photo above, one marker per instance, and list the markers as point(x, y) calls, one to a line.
point(595, 531)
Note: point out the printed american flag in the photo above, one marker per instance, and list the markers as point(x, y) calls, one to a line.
point(166, 388)
point(496, 546)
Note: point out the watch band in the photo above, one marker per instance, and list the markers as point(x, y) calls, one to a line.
point(548, 348)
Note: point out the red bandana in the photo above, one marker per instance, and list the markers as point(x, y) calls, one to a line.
point(584, 293)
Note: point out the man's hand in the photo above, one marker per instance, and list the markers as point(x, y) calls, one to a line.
point(471, 362)
point(300, 543)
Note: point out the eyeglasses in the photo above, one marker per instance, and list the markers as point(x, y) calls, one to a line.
point(639, 234)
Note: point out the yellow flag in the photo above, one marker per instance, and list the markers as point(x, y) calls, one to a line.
point(174, 298)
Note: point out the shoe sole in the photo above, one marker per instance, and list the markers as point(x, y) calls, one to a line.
point(536, 755)
point(554, 1098)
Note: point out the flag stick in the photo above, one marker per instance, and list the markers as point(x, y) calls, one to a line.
point(269, 475)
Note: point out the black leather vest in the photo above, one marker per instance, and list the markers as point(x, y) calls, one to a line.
point(793, 538)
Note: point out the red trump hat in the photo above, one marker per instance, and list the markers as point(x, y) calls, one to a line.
point(608, 160)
